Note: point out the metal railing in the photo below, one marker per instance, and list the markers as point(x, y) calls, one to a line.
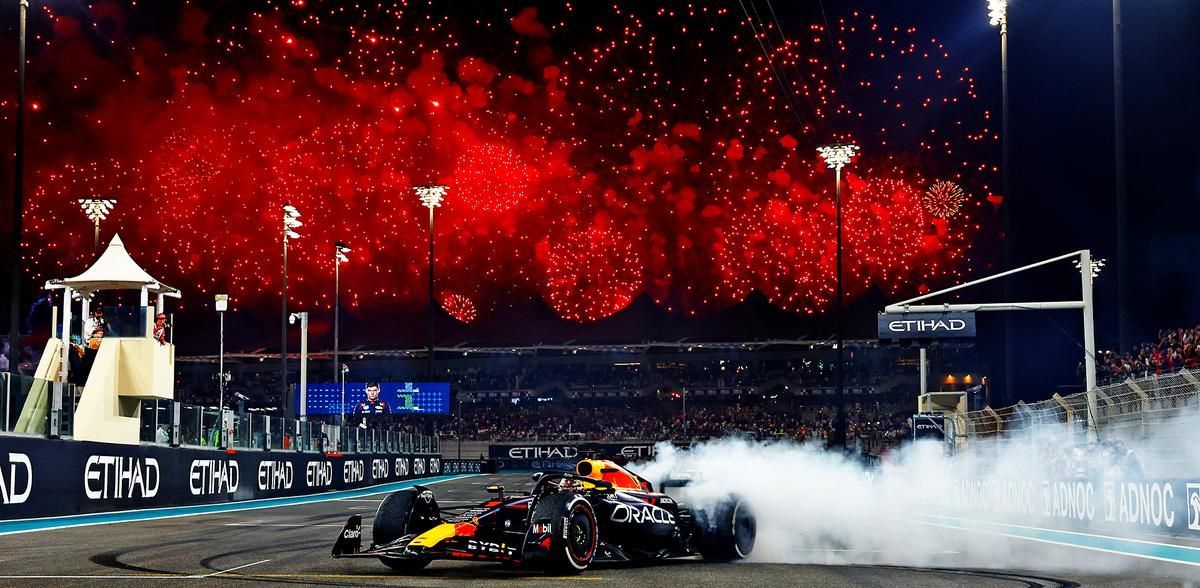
point(1156, 414)
point(27, 407)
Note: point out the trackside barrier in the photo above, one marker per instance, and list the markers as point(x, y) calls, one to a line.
point(52, 477)
point(1127, 507)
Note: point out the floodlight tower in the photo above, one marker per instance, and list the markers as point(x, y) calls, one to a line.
point(998, 17)
point(837, 156)
point(291, 221)
point(97, 209)
point(431, 197)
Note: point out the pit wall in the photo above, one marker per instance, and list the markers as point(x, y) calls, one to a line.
point(53, 477)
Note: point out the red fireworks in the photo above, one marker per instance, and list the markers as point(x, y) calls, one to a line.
point(592, 153)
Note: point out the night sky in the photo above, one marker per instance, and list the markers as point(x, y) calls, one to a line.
point(618, 172)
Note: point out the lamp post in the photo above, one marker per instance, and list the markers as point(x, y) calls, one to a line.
point(431, 197)
point(998, 16)
point(291, 221)
point(14, 276)
point(221, 303)
point(97, 209)
point(836, 156)
point(342, 411)
point(303, 318)
point(339, 256)
point(1123, 299)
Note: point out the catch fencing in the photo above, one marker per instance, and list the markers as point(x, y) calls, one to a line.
point(1157, 414)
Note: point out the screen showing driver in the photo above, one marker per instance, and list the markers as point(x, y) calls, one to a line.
point(371, 412)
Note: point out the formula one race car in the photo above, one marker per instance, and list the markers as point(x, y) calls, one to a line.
point(601, 513)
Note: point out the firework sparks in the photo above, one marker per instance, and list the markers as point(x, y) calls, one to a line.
point(943, 199)
point(587, 166)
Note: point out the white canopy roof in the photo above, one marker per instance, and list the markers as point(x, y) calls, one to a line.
point(115, 270)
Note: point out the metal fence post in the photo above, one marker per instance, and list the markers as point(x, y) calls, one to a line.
point(56, 390)
point(175, 409)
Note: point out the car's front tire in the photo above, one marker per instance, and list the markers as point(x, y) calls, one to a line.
point(727, 531)
point(403, 512)
point(574, 532)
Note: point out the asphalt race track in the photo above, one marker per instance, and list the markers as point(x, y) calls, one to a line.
point(291, 545)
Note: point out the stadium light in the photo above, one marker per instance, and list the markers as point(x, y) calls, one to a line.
point(97, 209)
point(837, 156)
point(340, 250)
point(291, 222)
point(1097, 265)
point(998, 12)
point(431, 196)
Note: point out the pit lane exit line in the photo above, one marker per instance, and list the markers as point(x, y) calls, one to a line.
point(171, 512)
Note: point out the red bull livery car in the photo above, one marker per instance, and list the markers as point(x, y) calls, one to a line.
point(600, 513)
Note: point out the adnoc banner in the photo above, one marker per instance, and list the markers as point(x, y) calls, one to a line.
point(1153, 505)
point(926, 325)
point(49, 477)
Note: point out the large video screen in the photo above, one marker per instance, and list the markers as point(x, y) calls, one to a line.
point(400, 397)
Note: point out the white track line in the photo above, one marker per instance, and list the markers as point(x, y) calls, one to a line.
point(231, 569)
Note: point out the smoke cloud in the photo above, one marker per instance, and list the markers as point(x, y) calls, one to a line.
point(818, 507)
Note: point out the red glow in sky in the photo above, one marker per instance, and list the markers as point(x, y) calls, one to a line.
point(592, 154)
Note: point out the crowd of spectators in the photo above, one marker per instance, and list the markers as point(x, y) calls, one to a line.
point(1109, 458)
point(1174, 349)
point(872, 423)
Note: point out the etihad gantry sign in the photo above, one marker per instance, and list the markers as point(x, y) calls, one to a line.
point(926, 325)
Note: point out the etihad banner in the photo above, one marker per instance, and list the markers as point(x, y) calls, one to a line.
point(1163, 505)
point(49, 477)
point(562, 456)
point(926, 325)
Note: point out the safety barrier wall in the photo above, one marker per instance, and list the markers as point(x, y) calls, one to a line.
point(51, 477)
point(563, 455)
point(1123, 507)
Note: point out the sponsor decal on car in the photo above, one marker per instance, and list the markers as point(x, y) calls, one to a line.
point(480, 546)
point(624, 513)
point(352, 533)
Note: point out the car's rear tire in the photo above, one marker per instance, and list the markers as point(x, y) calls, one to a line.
point(574, 532)
point(726, 532)
point(403, 512)
point(405, 566)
